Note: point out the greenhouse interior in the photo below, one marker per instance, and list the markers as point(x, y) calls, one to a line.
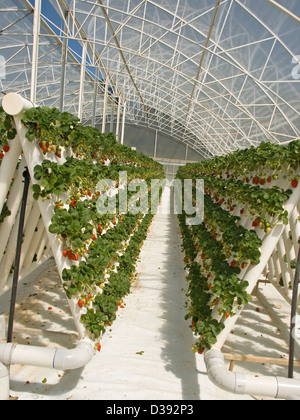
point(150, 202)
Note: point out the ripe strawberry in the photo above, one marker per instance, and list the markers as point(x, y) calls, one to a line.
point(256, 222)
point(262, 181)
point(294, 183)
point(1, 155)
point(269, 179)
point(6, 148)
point(65, 253)
point(80, 303)
point(99, 347)
point(255, 180)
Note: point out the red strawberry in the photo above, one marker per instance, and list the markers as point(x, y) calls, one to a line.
point(6, 148)
point(80, 303)
point(255, 180)
point(294, 183)
point(1, 155)
point(256, 222)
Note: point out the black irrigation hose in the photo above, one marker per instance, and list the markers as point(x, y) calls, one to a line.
point(18, 256)
point(293, 318)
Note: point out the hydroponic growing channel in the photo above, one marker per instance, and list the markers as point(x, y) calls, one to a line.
point(120, 278)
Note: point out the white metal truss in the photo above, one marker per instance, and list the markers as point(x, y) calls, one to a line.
point(216, 75)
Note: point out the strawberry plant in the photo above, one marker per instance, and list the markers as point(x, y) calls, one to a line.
point(4, 213)
point(7, 132)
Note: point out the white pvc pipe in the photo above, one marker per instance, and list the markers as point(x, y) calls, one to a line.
point(59, 359)
point(13, 203)
point(8, 168)
point(14, 104)
point(4, 383)
point(239, 383)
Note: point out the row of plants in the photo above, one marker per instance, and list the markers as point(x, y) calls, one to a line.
point(102, 307)
point(80, 177)
point(265, 162)
point(101, 249)
point(57, 131)
point(215, 255)
point(219, 251)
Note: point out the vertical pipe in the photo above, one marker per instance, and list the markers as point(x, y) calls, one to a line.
point(155, 144)
point(111, 128)
point(35, 49)
point(63, 64)
point(4, 383)
point(82, 75)
point(186, 152)
point(95, 98)
point(123, 123)
point(293, 319)
point(105, 106)
point(118, 120)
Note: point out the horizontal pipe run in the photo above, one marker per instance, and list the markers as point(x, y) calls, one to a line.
point(239, 383)
point(59, 359)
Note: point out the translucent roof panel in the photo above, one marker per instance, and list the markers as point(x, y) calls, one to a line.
point(216, 75)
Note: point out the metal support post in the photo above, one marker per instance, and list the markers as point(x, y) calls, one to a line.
point(35, 49)
point(18, 256)
point(105, 106)
point(82, 76)
point(123, 123)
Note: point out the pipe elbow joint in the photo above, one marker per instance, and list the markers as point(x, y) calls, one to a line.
point(76, 358)
point(217, 372)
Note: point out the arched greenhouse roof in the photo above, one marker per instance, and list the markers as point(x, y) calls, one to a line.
point(215, 75)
